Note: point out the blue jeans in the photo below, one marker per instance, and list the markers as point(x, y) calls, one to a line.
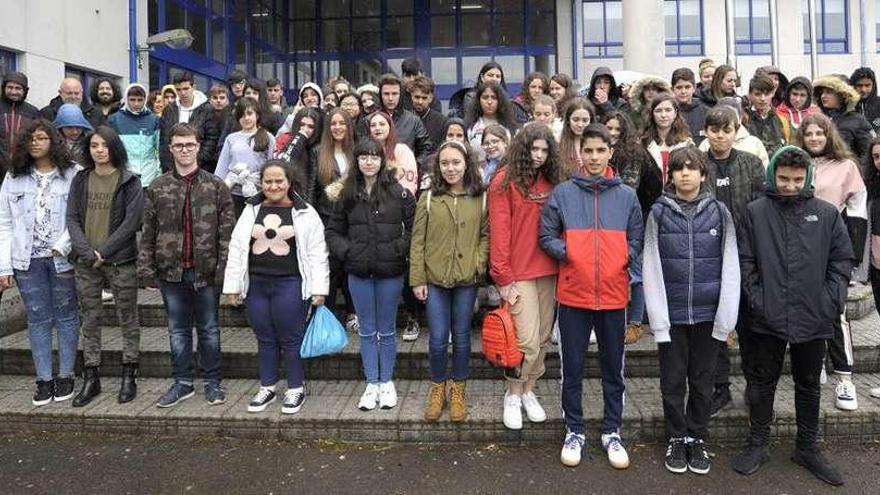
point(50, 298)
point(278, 314)
point(375, 302)
point(186, 306)
point(450, 310)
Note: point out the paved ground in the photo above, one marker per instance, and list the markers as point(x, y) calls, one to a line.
point(59, 464)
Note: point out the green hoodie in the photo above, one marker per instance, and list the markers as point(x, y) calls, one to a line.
point(771, 170)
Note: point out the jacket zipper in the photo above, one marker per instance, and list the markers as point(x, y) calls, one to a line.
point(690, 306)
point(596, 238)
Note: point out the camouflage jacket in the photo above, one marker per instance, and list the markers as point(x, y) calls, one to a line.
point(213, 216)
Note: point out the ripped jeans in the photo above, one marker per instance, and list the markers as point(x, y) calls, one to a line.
point(50, 300)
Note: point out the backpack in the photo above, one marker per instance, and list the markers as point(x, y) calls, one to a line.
point(499, 338)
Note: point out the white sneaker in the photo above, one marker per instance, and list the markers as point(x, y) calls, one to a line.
point(617, 455)
point(370, 398)
point(823, 376)
point(554, 336)
point(846, 395)
point(293, 400)
point(513, 411)
point(875, 392)
point(533, 408)
point(593, 336)
point(352, 324)
point(262, 399)
point(411, 332)
point(387, 395)
point(571, 449)
point(106, 296)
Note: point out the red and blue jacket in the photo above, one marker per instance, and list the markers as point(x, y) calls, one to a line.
point(593, 226)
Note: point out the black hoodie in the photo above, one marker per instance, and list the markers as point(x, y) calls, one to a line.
point(14, 115)
point(869, 107)
point(615, 97)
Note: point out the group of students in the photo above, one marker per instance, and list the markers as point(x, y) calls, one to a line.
point(682, 205)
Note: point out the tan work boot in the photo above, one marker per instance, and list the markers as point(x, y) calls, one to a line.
point(436, 401)
point(457, 402)
point(633, 333)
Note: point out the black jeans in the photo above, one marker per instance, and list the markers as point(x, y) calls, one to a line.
point(767, 354)
point(875, 284)
point(687, 364)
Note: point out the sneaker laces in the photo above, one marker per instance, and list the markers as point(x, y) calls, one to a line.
point(456, 393)
point(672, 444)
point(573, 441)
point(293, 395)
point(614, 443)
point(699, 447)
point(262, 395)
point(846, 389)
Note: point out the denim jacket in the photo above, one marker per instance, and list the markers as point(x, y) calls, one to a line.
point(18, 197)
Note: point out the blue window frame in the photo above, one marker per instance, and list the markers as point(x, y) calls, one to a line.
point(603, 28)
point(752, 27)
point(832, 26)
point(86, 76)
point(684, 27)
point(7, 61)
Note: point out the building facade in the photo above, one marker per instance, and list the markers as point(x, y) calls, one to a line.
point(313, 40)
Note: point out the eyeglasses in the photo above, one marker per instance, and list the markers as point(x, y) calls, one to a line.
point(184, 146)
point(369, 158)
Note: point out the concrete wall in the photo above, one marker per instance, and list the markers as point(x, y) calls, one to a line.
point(792, 60)
point(91, 34)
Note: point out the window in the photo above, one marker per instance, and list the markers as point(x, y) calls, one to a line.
point(603, 28)
point(832, 32)
point(86, 76)
point(684, 27)
point(7, 61)
point(752, 26)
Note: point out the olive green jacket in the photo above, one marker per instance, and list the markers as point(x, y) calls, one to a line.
point(450, 241)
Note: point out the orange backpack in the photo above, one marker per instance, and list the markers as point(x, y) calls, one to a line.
point(499, 338)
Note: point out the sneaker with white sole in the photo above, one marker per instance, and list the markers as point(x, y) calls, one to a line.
point(846, 395)
point(572, 448)
point(411, 332)
point(293, 400)
point(617, 455)
point(387, 395)
point(676, 460)
point(513, 411)
point(823, 375)
point(593, 338)
point(875, 392)
point(554, 335)
point(352, 324)
point(106, 296)
point(533, 408)
point(262, 399)
point(370, 398)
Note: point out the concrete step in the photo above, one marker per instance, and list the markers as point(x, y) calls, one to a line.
point(240, 355)
point(151, 310)
point(330, 413)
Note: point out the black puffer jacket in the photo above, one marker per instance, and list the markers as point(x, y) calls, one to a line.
point(796, 259)
point(869, 107)
point(371, 240)
point(125, 220)
point(202, 118)
point(853, 127)
point(694, 113)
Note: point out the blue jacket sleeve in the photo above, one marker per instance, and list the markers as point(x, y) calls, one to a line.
point(552, 227)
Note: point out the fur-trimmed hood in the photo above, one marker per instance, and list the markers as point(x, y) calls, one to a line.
point(848, 95)
point(636, 102)
point(333, 190)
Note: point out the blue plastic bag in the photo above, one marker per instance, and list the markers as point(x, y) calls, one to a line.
point(324, 335)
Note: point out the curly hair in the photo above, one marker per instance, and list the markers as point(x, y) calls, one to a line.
point(835, 147)
point(22, 162)
point(93, 92)
point(527, 99)
point(471, 181)
point(504, 115)
point(518, 160)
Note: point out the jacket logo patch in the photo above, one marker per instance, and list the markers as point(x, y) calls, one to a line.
point(722, 181)
point(713, 232)
point(811, 218)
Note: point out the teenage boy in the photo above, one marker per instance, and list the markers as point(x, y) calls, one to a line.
point(421, 91)
point(796, 258)
point(736, 178)
point(763, 122)
point(797, 103)
point(865, 82)
point(138, 127)
point(690, 273)
point(592, 224)
point(691, 109)
point(188, 220)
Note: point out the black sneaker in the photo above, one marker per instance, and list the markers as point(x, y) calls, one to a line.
point(45, 392)
point(63, 388)
point(749, 460)
point(676, 456)
point(698, 458)
point(263, 398)
point(293, 400)
point(816, 463)
point(720, 399)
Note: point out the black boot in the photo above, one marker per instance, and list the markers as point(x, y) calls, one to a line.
point(128, 389)
point(90, 389)
point(816, 463)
